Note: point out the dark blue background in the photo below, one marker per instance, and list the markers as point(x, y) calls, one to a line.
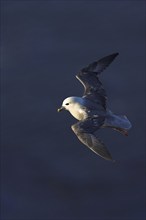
point(47, 174)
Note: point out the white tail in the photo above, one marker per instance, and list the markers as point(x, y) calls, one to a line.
point(117, 121)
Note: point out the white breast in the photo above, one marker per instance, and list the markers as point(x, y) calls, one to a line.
point(78, 112)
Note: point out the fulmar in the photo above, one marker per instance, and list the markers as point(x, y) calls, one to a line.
point(91, 109)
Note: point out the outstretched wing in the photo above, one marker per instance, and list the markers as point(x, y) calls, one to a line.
point(88, 76)
point(85, 133)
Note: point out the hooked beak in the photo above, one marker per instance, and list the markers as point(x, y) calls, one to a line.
point(60, 109)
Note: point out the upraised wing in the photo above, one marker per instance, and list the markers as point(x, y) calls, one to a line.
point(88, 76)
point(85, 133)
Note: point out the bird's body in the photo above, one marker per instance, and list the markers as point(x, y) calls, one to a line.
point(91, 110)
point(83, 108)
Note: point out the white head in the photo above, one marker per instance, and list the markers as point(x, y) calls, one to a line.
point(70, 102)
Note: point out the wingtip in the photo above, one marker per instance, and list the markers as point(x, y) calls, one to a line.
point(112, 56)
point(115, 54)
point(110, 159)
point(107, 157)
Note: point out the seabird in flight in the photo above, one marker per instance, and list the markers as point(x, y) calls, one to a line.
point(91, 110)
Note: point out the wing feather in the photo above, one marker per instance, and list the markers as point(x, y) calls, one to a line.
point(85, 133)
point(93, 88)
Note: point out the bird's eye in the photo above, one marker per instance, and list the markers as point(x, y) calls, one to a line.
point(67, 104)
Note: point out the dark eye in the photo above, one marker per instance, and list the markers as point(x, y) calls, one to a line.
point(67, 104)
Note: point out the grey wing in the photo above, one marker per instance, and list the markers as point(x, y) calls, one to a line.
point(85, 133)
point(88, 76)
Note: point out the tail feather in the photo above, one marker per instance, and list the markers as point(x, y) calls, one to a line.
point(119, 123)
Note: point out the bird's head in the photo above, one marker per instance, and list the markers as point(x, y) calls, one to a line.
point(70, 102)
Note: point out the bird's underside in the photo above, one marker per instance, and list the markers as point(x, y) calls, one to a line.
point(85, 131)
